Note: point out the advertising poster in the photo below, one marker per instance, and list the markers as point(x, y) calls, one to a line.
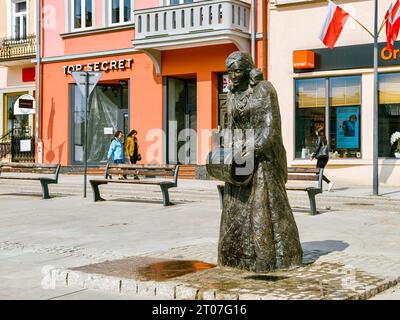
point(347, 127)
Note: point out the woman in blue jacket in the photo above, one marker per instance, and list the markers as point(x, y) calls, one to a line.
point(116, 152)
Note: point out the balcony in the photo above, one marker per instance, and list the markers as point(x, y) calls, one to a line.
point(15, 51)
point(195, 24)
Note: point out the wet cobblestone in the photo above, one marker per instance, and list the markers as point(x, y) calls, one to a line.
point(320, 280)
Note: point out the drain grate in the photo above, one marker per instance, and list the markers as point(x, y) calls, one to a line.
point(359, 204)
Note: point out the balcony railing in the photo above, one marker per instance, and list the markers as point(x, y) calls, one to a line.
point(157, 26)
point(15, 48)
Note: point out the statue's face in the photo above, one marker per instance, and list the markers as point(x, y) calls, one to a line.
point(237, 74)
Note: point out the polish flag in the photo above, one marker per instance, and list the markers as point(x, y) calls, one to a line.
point(333, 24)
point(392, 18)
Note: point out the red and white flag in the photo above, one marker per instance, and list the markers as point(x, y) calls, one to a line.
point(333, 24)
point(392, 19)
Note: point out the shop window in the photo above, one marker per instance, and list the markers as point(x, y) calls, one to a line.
point(310, 114)
point(121, 11)
point(344, 117)
point(82, 14)
point(388, 112)
point(343, 108)
point(108, 110)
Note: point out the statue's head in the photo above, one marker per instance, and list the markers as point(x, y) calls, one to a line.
point(239, 65)
point(256, 76)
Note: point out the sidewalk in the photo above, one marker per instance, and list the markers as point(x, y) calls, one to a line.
point(358, 233)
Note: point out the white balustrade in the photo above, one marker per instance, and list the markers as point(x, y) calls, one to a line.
point(197, 17)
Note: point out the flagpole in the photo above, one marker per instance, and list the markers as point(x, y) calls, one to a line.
point(362, 26)
point(375, 112)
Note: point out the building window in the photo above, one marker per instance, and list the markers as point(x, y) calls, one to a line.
point(19, 20)
point(121, 11)
point(175, 2)
point(82, 11)
point(339, 115)
point(388, 112)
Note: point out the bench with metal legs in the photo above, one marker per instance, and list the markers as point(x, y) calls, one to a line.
point(148, 171)
point(17, 171)
point(297, 174)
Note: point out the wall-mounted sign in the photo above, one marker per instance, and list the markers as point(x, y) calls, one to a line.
point(25, 145)
point(108, 131)
point(105, 66)
point(303, 59)
point(352, 57)
point(24, 105)
point(389, 55)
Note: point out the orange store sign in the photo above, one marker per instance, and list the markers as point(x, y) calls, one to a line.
point(303, 59)
point(389, 55)
point(105, 66)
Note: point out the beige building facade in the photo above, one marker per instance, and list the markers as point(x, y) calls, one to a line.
point(334, 89)
point(17, 73)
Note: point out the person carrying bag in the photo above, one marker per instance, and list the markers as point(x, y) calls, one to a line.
point(321, 153)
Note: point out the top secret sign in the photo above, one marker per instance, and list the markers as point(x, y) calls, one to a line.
point(105, 66)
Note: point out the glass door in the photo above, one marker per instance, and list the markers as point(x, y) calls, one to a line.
point(182, 121)
point(20, 128)
point(108, 112)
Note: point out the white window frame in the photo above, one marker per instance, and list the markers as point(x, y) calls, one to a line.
point(14, 15)
point(83, 15)
point(121, 13)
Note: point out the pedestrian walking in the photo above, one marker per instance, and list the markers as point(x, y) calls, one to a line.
point(132, 147)
point(321, 153)
point(116, 151)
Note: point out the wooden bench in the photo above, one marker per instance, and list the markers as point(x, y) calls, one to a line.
point(297, 174)
point(132, 171)
point(307, 174)
point(34, 169)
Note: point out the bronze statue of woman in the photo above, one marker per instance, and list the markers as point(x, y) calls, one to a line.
point(258, 231)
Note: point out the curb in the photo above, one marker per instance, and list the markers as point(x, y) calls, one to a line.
point(175, 290)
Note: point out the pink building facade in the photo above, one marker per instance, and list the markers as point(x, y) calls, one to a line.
point(163, 65)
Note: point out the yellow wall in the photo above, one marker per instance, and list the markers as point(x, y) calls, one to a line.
point(3, 20)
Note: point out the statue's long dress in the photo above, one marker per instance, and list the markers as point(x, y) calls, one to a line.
point(258, 231)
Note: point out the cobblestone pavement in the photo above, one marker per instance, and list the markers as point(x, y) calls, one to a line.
point(160, 277)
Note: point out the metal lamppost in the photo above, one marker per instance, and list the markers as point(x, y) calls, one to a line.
point(375, 113)
point(86, 82)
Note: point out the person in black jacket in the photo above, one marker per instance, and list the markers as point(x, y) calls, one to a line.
point(321, 153)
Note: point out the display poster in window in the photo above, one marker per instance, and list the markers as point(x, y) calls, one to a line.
point(347, 127)
point(225, 83)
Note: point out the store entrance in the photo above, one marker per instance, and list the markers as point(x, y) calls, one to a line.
point(108, 112)
point(19, 130)
point(182, 121)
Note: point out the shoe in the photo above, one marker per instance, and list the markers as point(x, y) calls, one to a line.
point(330, 186)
